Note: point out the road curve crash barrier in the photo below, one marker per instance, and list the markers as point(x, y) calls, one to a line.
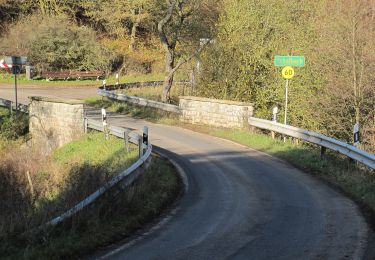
point(318, 139)
point(12, 105)
point(72, 74)
point(141, 84)
point(124, 179)
point(138, 101)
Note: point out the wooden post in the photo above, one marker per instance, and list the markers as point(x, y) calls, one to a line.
point(117, 79)
point(30, 183)
point(322, 151)
point(274, 119)
point(126, 138)
point(85, 125)
point(140, 148)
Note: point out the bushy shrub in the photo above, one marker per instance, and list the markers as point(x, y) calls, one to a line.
point(55, 43)
point(145, 59)
point(13, 127)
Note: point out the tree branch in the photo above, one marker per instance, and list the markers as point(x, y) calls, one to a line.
point(185, 60)
point(163, 22)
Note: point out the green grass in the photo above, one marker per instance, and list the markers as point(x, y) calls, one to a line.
point(4, 111)
point(13, 126)
point(93, 149)
point(355, 180)
point(111, 80)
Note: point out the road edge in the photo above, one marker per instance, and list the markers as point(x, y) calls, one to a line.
point(157, 223)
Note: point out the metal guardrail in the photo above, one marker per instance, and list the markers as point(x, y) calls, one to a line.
point(12, 105)
point(134, 85)
point(139, 101)
point(124, 179)
point(319, 139)
point(142, 84)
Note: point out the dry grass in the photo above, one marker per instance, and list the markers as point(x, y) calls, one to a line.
point(57, 185)
point(111, 219)
point(34, 189)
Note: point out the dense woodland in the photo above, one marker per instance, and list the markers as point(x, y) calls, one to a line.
point(330, 94)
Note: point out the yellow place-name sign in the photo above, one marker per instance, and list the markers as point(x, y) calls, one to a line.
point(287, 72)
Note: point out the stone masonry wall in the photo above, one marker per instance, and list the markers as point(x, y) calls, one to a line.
point(220, 113)
point(55, 122)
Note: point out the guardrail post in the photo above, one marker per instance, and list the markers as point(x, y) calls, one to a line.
point(145, 135)
point(85, 125)
point(140, 148)
point(105, 124)
point(145, 138)
point(322, 151)
point(117, 79)
point(275, 110)
point(126, 139)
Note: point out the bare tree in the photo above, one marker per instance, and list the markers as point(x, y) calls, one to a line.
point(347, 40)
point(181, 16)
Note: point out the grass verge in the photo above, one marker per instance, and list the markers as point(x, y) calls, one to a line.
point(12, 126)
point(355, 180)
point(113, 219)
point(59, 182)
point(151, 114)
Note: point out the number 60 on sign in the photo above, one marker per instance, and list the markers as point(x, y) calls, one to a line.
point(287, 72)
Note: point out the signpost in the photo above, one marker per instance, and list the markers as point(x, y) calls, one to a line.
point(4, 65)
point(287, 73)
point(15, 63)
point(293, 61)
point(288, 62)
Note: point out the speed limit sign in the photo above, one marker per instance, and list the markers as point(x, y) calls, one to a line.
point(287, 72)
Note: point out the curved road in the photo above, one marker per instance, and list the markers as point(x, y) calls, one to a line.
point(243, 204)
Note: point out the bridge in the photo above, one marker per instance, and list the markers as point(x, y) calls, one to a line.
point(239, 203)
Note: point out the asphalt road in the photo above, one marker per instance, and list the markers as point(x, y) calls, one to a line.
point(243, 204)
point(25, 91)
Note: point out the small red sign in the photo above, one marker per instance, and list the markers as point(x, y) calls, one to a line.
point(4, 65)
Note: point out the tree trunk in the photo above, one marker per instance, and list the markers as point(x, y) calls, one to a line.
point(168, 80)
point(167, 85)
point(133, 35)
